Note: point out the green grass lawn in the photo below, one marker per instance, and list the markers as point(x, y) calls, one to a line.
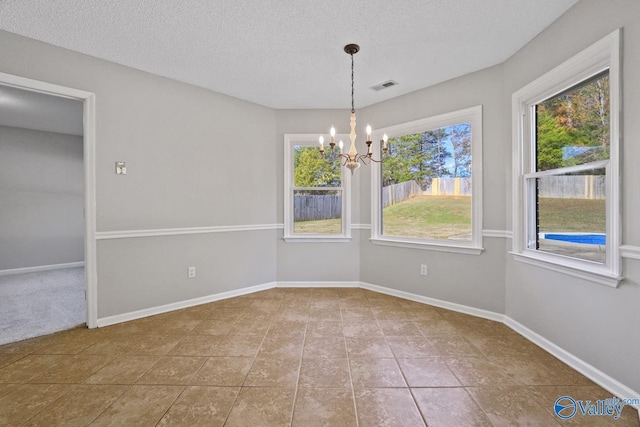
point(449, 217)
point(433, 217)
point(321, 226)
point(573, 215)
point(430, 217)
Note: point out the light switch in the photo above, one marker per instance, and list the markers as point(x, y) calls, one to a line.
point(121, 168)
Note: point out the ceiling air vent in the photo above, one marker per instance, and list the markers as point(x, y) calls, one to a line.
point(384, 85)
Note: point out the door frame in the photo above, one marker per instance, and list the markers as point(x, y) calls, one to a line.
point(89, 142)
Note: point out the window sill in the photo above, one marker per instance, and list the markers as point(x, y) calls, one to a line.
point(316, 239)
point(571, 268)
point(401, 243)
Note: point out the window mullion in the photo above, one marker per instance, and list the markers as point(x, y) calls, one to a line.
point(316, 188)
point(601, 164)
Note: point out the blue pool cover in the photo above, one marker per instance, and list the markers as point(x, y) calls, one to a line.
point(589, 239)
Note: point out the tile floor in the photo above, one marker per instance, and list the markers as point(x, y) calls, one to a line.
point(302, 357)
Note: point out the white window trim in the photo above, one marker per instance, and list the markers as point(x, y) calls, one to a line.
point(290, 140)
point(602, 55)
point(473, 115)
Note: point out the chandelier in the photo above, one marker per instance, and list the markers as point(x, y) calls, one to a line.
point(353, 159)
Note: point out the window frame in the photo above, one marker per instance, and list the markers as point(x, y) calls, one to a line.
point(472, 115)
point(311, 140)
point(599, 57)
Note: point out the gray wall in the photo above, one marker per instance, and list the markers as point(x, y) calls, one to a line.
point(474, 280)
point(41, 198)
point(597, 324)
point(194, 159)
point(334, 262)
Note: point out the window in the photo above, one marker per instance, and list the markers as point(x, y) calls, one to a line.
point(316, 192)
point(427, 192)
point(566, 214)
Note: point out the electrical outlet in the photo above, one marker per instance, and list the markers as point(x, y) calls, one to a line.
point(192, 272)
point(423, 269)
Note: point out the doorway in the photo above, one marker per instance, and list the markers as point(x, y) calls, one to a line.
point(47, 255)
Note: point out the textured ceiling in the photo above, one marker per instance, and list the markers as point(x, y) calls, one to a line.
point(288, 53)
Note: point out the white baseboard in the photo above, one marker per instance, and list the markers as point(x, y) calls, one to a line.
point(41, 268)
point(603, 380)
point(478, 312)
point(295, 284)
point(125, 317)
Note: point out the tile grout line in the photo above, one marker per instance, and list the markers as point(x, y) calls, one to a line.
point(353, 389)
point(175, 399)
point(250, 367)
point(130, 386)
point(46, 406)
point(395, 358)
point(478, 404)
point(304, 340)
point(108, 406)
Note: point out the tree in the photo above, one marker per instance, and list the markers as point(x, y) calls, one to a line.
point(573, 127)
point(592, 111)
point(312, 169)
point(418, 157)
point(552, 135)
point(435, 154)
point(397, 166)
point(461, 142)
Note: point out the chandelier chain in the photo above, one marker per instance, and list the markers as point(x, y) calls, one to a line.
point(353, 109)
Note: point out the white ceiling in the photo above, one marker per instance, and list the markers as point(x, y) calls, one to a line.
point(289, 53)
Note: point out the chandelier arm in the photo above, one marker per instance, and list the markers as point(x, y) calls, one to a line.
point(376, 161)
point(365, 159)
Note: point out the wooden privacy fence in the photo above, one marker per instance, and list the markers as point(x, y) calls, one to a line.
point(311, 207)
point(449, 187)
point(397, 193)
point(572, 187)
point(561, 187)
